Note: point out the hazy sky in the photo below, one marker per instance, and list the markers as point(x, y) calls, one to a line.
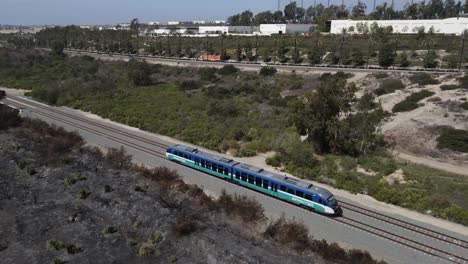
point(29, 12)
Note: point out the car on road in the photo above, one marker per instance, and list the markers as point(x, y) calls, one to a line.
point(263, 64)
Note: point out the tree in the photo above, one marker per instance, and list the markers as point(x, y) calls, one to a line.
point(139, 72)
point(403, 59)
point(317, 114)
point(264, 18)
point(135, 29)
point(427, 42)
point(386, 54)
point(290, 12)
point(359, 10)
point(58, 47)
point(278, 17)
point(246, 18)
point(234, 20)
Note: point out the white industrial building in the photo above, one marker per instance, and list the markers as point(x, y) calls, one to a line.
point(270, 29)
point(452, 25)
point(213, 30)
point(173, 23)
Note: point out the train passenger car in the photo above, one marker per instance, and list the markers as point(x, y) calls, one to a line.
point(292, 190)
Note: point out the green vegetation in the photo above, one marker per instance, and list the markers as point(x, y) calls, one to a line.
point(132, 242)
point(464, 105)
point(145, 250)
point(57, 261)
point(171, 259)
point(411, 102)
point(268, 71)
point(184, 225)
point(243, 113)
point(155, 238)
point(55, 245)
point(83, 194)
point(454, 139)
point(389, 86)
point(109, 230)
point(447, 87)
point(423, 79)
point(135, 188)
point(107, 188)
point(137, 224)
point(9, 117)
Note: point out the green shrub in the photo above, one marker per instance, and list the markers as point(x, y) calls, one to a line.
point(464, 105)
point(54, 245)
point(411, 102)
point(274, 161)
point(131, 242)
point(454, 139)
point(246, 152)
point(155, 238)
point(109, 230)
point(246, 208)
point(228, 70)
point(72, 249)
point(57, 261)
point(268, 71)
point(423, 79)
point(189, 85)
point(381, 75)
point(83, 194)
point(136, 188)
point(171, 259)
point(145, 250)
point(207, 74)
point(447, 87)
point(9, 117)
point(463, 82)
point(389, 86)
point(107, 188)
point(137, 224)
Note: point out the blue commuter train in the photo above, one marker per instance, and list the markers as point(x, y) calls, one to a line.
point(292, 190)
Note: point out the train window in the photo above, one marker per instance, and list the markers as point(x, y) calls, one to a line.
point(299, 193)
point(214, 167)
point(282, 188)
point(308, 197)
point(258, 182)
point(274, 186)
point(251, 179)
point(176, 152)
point(291, 191)
point(237, 175)
point(321, 201)
point(208, 165)
point(220, 169)
point(186, 156)
point(244, 176)
point(265, 184)
point(226, 171)
point(203, 164)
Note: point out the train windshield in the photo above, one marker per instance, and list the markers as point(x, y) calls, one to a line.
point(331, 199)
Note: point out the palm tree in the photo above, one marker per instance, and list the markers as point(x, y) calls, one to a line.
point(342, 41)
point(427, 42)
point(372, 41)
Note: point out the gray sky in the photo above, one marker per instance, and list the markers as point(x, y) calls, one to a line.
point(35, 12)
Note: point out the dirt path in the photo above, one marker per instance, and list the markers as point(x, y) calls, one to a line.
point(430, 162)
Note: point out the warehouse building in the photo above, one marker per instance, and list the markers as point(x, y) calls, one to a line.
point(270, 29)
point(450, 26)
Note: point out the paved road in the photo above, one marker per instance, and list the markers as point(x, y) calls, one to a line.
point(320, 227)
point(245, 66)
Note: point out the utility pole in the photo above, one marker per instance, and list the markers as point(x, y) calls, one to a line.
point(461, 51)
point(328, 5)
point(279, 5)
point(374, 4)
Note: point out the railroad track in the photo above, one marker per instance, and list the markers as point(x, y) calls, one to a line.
point(406, 225)
point(410, 243)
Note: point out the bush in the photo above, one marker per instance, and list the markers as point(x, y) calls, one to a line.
point(246, 208)
point(464, 105)
point(72, 249)
point(447, 87)
point(463, 81)
point(119, 158)
point(381, 75)
point(289, 233)
point(57, 261)
point(454, 139)
point(189, 85)
point(423, 79)
point(83, 194)
point(207, 74)
point(107, 188)
point(9, 117)
point(268, 71)
point(228, 70)
point(132, 242)
point(155, 238)
point(184, 225)
point(137, 224)
point(136, 188)
point(274, 161)
point(389, 86)
point(171, 259)
point(54, 245)
point(109, 230)
point(2, 94)
point(139, 72)
point(145, 251)
point(411, 102)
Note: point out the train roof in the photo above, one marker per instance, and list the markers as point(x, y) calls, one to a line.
point(257, 170)
point(206, 155)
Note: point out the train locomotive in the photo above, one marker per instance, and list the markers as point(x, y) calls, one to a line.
point(289, 189)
